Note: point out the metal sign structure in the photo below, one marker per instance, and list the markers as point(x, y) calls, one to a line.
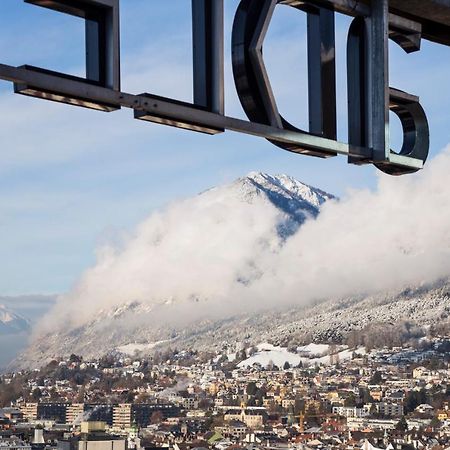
point(370, 98)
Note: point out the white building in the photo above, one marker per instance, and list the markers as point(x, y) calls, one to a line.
point(351, 411)
point(389, 409)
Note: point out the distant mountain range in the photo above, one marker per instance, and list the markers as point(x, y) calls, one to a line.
point(17, 316)
point(11, 323)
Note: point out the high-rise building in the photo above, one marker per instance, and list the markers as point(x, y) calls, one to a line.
point(141, 414)
point(75, 413)
point(29, 410)
point(52, 411)
point(96, 412)
point(122, 415)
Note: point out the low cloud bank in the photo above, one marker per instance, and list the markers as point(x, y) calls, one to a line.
point(218, 254)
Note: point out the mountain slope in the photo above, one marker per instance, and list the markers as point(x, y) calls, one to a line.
point(189, 278)
point(286, 193)
point(193, 257)
point(330, 320)
point(31, 307)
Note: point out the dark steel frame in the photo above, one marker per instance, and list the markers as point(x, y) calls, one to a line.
point(102, 52)
point(370, 98)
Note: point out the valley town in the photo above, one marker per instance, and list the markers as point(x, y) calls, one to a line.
point(318, 396)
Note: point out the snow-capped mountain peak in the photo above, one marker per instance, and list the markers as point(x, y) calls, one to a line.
point(288, 187)
point(296, 200)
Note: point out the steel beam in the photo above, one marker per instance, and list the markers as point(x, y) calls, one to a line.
point(358, 105)
point(175, 111)
point(185, 113)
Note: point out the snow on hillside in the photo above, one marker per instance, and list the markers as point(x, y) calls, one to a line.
point(268, 354)
point(131, 349)
point(297, 200)
point(314, 349)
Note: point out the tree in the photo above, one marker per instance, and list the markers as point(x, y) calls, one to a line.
point(350, 400)
point(414, 399)
point(36, 394)
point(365, 396)
point(422, 396)
point(75, 358)
point(435, 423)
point(286, 366)
point(376, 378)
point(402, 425)
point(81, 394)
point(259, 396)
point(129, 398)
point(411, 402)
point(251, 388)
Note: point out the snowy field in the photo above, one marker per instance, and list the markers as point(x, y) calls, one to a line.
point(310, 354)
point(132, 349)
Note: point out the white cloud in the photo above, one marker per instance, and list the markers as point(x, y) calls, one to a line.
point(203, 248)
point(196, 248)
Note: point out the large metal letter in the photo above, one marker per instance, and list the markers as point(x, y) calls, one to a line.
point(102, 51)
point(208, 59)
point(371, 99)
point(255, 92)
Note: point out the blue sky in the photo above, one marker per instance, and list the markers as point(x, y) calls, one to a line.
point(72, 178)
